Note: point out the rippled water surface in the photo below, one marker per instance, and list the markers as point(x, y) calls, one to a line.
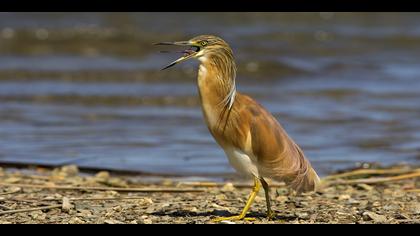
point(87, 88)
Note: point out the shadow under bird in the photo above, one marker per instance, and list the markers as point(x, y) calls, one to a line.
point(255, 143)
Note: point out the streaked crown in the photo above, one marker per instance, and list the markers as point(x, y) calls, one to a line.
point(210, 44)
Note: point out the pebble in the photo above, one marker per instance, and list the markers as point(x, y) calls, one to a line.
point(218, 207)
point(221, 197)
point(110, 194)
point(38, 215)
point(165, 204)
point(282, 199)
point(70, 170)
point(259, 199)
point(118, 208)
point(227, 222)
point(84, 213)
point(365, 187)
point(150, 210)
point(167, 182)
point(330, 195)
point(391, 207)
point(416, 208)
point(376, 204)
point(353, 201)
point(344, 197)
point(15, 189)
point(102, 176)
point(144, 201)
point(112, 222)
point(402, 216)
point(368, 215)
point(302, 215)
point(228, 187)
point(398, 193)
point(66, 206)
point(282, 191)
point(12, 180)
point(147, 221)
point(192, 209)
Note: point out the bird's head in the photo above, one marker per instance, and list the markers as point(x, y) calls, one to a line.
point(199, 47)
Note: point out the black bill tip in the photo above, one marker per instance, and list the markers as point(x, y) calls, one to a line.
point(170, 65)
point(164, 43)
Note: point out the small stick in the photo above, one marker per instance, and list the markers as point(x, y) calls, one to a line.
point(214, 185)
point(11, 192)
point(79, 199)
point(30, 209)
point(417, 190)
point(34, 201)
point(370, 172)
point(376, 180)
point(40, 177)
point(144, 190)
point(5, 207)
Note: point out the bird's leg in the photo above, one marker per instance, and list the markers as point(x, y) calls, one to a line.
point(255, 190)
point(270, 213)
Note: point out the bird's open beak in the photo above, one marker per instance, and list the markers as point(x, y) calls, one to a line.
point(188, 53)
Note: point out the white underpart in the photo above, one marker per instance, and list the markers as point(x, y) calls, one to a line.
point(241, 162)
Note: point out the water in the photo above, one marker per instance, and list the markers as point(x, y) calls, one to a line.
point(86, 89)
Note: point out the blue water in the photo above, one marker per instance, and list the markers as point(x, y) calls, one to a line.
point(86, 88)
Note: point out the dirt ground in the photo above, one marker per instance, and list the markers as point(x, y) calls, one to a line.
point(119, 199)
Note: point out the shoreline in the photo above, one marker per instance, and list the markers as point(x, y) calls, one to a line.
point(66, 195)
point(125, 173)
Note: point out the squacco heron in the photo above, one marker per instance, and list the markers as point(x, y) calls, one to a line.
point(255, 143)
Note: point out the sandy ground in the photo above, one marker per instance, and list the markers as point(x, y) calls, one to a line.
point(389, 202)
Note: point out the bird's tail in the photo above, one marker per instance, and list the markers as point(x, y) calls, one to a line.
point(309, 182)
point(294, 169)
point(306, 179)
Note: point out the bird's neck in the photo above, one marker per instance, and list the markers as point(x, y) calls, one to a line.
point(216, 85)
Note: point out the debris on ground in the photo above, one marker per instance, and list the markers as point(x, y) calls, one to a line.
point(364, 197)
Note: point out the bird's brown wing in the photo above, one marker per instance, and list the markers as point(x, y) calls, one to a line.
point(279, 157)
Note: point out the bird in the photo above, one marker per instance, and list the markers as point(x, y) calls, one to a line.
point(255, 143)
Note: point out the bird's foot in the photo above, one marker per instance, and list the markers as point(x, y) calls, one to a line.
point(233, 218)
point(271, 215)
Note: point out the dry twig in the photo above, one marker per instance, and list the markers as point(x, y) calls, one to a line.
point(11, 192)
point(218, 185)
point(417, 190)
point(78, 199)
point(30, 209)
point(375, 180)
point(370, 172)
point(145, 190)
point(5, 207)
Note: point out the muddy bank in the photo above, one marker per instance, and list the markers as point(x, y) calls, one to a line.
point(65, 195)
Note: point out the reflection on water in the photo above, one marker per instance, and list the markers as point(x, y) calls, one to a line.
point(86, 88)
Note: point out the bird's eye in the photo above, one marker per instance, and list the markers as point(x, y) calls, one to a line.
point(203, 43)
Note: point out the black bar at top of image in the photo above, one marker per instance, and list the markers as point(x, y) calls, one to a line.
point(205, 5)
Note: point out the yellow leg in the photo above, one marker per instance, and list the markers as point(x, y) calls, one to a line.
point(270, 213)
point(248, 204)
